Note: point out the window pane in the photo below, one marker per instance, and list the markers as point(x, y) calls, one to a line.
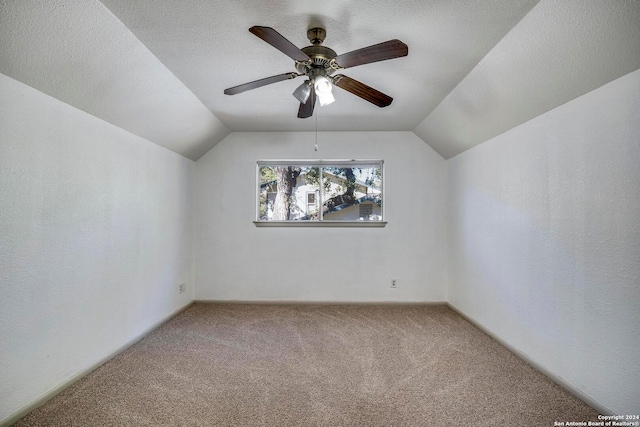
point(352, 194)
point(285, 193)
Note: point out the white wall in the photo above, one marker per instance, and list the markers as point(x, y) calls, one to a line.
point(235, 260)
point(545, 241)
point(94, 239)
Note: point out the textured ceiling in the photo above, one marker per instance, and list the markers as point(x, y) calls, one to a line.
point(559, 51)
point(78, 52)
point(475, 68)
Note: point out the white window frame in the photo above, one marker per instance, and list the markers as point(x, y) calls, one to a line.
point(320, 164)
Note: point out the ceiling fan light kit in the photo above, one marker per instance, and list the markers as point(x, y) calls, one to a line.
point(318, 63)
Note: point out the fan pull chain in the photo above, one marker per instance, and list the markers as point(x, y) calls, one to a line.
point(316, 146)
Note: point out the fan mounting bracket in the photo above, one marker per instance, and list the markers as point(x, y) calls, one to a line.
point(316, 35)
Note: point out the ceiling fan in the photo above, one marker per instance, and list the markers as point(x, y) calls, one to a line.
point(318, 63)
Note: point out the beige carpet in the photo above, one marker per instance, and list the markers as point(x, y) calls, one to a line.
point(297, 365)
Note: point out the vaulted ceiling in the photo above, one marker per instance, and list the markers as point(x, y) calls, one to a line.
point(475, 69)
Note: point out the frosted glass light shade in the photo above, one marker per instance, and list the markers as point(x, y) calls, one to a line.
point(302, 92)
point(326, 99)
point(323, 89)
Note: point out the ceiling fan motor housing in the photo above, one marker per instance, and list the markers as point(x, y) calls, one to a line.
point(321, 56)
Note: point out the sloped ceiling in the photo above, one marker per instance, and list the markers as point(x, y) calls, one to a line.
point(475, 68)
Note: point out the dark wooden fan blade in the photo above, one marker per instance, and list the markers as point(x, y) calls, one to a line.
point(306, 109)
point(259, 83)
point(378, 52)
point(276, 40)
point(362, 90)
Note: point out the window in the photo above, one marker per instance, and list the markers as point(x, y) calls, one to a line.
point(312, 192)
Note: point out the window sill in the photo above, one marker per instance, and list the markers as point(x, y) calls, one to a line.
point(375, 224)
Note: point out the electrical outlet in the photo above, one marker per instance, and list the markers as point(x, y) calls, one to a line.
point(183, 287)
point(394, 283)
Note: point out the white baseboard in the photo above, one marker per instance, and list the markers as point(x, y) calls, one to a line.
point(322, 302)
point(553, 377)
point(11, 419)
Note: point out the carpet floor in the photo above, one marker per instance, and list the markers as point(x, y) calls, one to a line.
point(323, 365)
